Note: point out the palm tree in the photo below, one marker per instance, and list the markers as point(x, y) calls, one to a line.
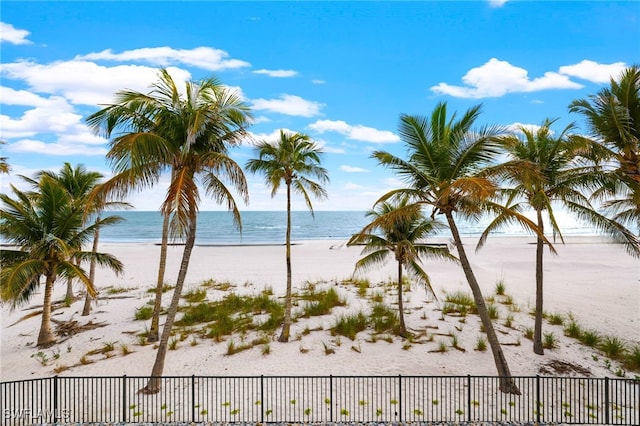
point(293, 160)
point(399, 229)
point(4, 166)
point(188, 136)
point(613, 117)
point(78, 182)
point(446, 157)
point(544, 170)
point(48, 231)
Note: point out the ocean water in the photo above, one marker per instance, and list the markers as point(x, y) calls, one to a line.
point(269, 227)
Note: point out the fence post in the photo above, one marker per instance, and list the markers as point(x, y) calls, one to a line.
point(469, 398)
point(538, 402)
point(262, 404)
point(331, 398)
point(606, 401)
point(55, 399)
point(124, 398)
point(400, 397)
point(193, 398)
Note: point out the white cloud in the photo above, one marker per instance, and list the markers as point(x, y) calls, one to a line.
point(277, 73)
point(55, 148)
point(10, 34)
point(517, 127)
point(316, 81)
point(351, 169)
point(83, 82)
point(497, 3)
point(497, 78)
point(202, 57)
point(357, 132)
point(353, 186)
point(288, 105)
point(593, 71)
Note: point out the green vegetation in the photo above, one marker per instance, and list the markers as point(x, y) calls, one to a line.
point(320, 303)
point(143, 313)
point(350, 325)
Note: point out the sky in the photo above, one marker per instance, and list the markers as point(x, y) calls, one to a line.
point(340, 72)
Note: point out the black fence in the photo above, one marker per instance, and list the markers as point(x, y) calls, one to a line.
point(320, 399)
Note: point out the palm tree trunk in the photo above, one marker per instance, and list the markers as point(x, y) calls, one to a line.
point(537, 334)
point(154, 383)
point(86, 310)
point(403, 327)
point(154, 331)
point(507, 385)
point(46, 337)
point(286, 327)
point(69, 297)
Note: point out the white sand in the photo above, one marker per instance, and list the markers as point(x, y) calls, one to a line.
point(595, 281)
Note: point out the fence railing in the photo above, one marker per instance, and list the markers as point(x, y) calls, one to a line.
point(320, 399)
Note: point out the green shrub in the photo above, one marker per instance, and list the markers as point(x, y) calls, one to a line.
point(556, 319)
point(321, 303)
point(195, 296)
point(612, 347)
point(383, 318)
point(632, 358)
point(481, 344)
point(143, 313)
point(493, 311)
point(572, 329)
point(500, 288)
point(350, 325)
point(549, 341)
point(590, 338)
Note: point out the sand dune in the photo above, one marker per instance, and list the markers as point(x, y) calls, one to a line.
point(591, 279)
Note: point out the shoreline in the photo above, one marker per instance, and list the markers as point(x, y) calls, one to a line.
point(596, 282)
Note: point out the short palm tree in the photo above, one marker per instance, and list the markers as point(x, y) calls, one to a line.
point(4, 165)
point(293, 160)
point(399, 229)
point(544, 170)
point(78, 182)
point(189, 136)
point(613, 117)
point(48, 230)
point(445, 159)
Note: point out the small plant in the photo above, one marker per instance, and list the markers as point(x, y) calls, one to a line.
point(508, 322)
point(572, 329)
point(344, 412)
point(41, 357)
point(500, 288)
point(350, 325)
point(141, 340)
point(475, 403)
point(418, 412)
point(590, 338)
point(459, 412)
point(194, 342)
point(612, 347)
point(481, 344)
point(493, 311)
point(203, 412)
point(143, 313)
point(362, 402)
point(549, 341)
point(378, 412)
point(435, 402)
point(307, 411)
point(528, 333)
point(327, 401)
point(195, 296)
point(124, 349)
point(503, 411)
point(394, 402)
point(173, 344)
point(556, 319)
point(632, 358)
point(328, 350)
point(118, 290)
point(442, 346)
point(84, 360)
point(108, 347)
point(266, 349)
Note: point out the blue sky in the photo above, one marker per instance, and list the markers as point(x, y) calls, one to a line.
point(342, 72)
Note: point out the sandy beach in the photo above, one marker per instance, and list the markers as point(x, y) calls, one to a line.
point(592, 279)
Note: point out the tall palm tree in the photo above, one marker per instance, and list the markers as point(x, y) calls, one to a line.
point(613, 117)
point(48, 229)
point(544, 170)
point(399, 229)
point(293, 160)
point(189, 136)
point(443, 170)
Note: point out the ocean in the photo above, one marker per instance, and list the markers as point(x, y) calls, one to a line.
point(269, 227)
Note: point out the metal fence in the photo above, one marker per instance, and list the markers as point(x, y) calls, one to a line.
point(320, 399)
